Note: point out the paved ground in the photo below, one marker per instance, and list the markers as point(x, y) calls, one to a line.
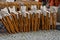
point(40, 35)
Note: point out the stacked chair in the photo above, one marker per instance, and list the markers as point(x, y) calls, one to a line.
point(26, 17)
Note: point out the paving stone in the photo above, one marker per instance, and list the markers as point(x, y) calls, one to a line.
point(39, 35)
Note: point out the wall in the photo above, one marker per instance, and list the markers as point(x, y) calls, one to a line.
point(2, 0)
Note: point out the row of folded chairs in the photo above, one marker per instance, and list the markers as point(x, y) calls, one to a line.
point(29, 21)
